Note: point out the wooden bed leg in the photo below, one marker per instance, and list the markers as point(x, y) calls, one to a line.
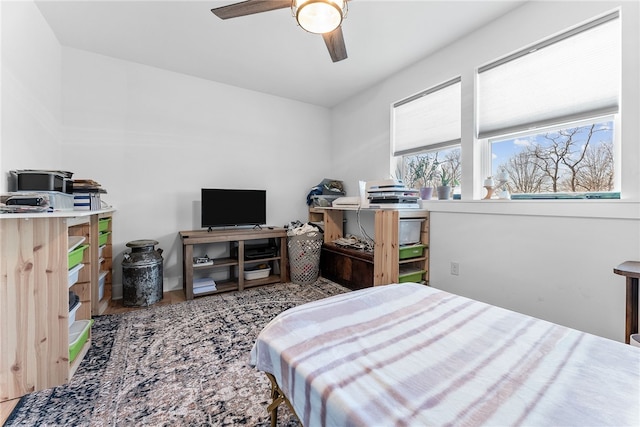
point(276, 399)
point(274, 417)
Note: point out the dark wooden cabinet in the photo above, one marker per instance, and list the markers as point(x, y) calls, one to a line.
point(352, 268)
point(358, 269)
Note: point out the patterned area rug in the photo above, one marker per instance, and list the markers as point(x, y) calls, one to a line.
point(180, 364)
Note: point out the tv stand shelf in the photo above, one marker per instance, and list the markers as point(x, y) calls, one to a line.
point(236, 239)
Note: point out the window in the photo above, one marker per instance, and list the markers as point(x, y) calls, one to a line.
point(547, 113)
point(426, 130)
point(566, 162)
point(433, 168)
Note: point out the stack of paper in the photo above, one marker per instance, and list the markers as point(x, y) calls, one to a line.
point(203, 284)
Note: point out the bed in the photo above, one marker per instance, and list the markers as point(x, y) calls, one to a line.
point(409, 354)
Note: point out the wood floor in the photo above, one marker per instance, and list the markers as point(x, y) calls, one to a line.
point(115, 307)
point(173, 297)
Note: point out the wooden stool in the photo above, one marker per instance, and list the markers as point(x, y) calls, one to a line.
point(631, 270)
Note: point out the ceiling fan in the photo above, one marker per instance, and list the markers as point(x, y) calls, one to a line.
point(316, 16)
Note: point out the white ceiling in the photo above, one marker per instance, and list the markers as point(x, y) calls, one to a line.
point(268, 52)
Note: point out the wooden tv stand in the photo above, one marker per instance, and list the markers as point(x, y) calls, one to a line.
point(235, 265)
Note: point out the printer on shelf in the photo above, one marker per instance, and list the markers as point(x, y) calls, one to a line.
point(40, 180)
point(32, 190)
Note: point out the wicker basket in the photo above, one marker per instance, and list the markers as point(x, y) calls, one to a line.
point(304, 257)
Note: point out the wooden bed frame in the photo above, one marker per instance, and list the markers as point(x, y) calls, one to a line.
point(277, 398)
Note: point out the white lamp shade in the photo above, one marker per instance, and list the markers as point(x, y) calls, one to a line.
point(319, 16)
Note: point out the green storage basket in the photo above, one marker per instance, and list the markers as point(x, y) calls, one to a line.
point(103, 224)
point(75, 256)
point(412, 251)
point(410, 276)
point(78, 336)
point(102, 238)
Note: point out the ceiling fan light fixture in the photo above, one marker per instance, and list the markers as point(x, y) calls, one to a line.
point(319, 16)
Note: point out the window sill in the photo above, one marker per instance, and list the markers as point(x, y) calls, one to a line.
point(615, 209)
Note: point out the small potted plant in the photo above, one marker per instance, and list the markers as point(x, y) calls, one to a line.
point(447, 181)
point(421, 173)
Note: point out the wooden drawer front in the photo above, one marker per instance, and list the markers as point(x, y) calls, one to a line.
point(348, 267)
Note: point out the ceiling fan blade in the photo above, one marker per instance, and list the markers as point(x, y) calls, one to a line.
point(335, 43)
point(249, 7)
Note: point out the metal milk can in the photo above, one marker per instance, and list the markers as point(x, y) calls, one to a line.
point(142, 274)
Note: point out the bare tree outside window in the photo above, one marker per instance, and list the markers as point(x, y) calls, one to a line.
point(597, 171)
point(570, 160)
point(524, 175)
point(453, 165)
point(424, 169)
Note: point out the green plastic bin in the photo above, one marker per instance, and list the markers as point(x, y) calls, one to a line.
point(410, 276)
point(102, 238)
point(103, 224)
point(412, 251)
point(78, 336)
point(75, 256)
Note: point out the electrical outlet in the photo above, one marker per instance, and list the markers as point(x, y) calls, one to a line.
point(455, 268)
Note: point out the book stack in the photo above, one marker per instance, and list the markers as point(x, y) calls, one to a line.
point(86, 195)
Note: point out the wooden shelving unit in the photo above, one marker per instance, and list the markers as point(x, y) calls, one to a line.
point(386, 255)
point(82, 226)
point(105, 263)
point(34, 298)
point(235, 266)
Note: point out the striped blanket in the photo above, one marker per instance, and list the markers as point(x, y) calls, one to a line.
point(411, 355)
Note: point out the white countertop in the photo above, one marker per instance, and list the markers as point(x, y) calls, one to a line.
point(55, 214)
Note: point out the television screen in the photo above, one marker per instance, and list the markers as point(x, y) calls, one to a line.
point(226, 207)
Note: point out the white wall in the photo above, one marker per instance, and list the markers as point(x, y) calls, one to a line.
point(154, 138)
point(551, 261)
point(30, 90)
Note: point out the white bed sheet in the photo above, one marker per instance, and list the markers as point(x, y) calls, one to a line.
point(408, 354)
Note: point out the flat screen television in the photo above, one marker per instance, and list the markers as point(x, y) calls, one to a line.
point(227, 207)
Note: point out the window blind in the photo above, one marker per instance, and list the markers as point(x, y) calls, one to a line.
point(573, 76)
point(428, 119)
